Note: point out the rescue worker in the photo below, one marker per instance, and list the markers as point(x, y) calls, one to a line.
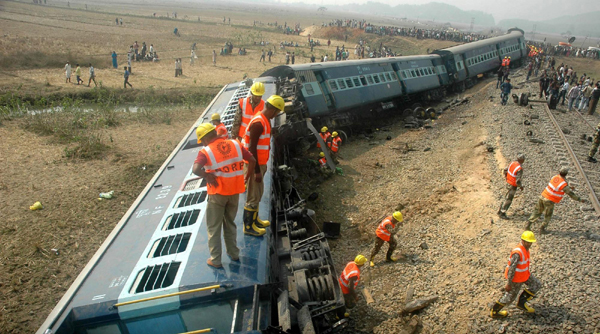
point(325, 135)
point(247, 108)
point(517, 273)
point(220, 163)
point(385, 233)
point(504, 61)
point(334, 145)
point(513, 174)
point(552, 195)
point(508, 62)
point(595, 145)
point(258, 141)
point(215, 119)
point(349, 280)
point(322, 160)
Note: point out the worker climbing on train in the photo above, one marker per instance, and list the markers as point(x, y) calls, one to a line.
point(220, 163)
point(215, 119)
point(349, 280)
point(325, 135)
point(552, 195)
point(258, 141)
point(513, 174)
point(322, 160)
point(247, 108)
point(334, 145)
point(517, 273)
point(385, 233)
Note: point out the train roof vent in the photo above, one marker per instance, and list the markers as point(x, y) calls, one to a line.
point(190, 199)
point(155, 277)
point(171, 244)
point(181, 219)
point(194, 184)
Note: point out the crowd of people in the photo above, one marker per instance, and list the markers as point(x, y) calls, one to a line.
point(565, 50)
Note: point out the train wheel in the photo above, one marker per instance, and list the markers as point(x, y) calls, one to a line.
point(407, 112)
point(343, 135)
point(415, 106)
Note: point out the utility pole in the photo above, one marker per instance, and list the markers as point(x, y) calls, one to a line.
point(472, 23)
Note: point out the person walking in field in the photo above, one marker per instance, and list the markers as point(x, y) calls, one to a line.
point(214, 58)
point(92, 76)
point(176, 68)
point(126, 76)
point(68, 72)
point(78, 74)
point(114, 60)
point(192, 57)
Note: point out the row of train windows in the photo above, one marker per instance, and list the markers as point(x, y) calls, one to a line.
point(509, 49)
point(369, 79)
point(482, 58)
point(418, 72)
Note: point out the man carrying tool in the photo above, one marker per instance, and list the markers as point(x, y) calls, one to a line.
point(215, 119)
point(553, 194)
point(517, 273)
point(385, 233)
point(247, 108)
point(513, 175)
point(349, 280)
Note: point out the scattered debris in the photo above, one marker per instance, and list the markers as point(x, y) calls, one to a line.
point(36, 206)
point(419, 304)
point(424, 246)
point(485, 232)
point(490, 148)
point(427, 149)
point(107, 195)
point(537, 141)
point(566, 131)
point(410, 291)
point(368, 298)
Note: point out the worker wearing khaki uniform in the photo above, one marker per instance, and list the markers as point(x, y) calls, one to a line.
point(513, 174)
point(220, 163)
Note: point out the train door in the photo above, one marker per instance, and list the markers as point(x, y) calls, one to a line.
point(396, 68)
point(325, 89)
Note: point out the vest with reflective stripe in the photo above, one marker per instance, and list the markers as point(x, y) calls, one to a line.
point(248, 113)
point(350, 271)
point(511, 175)
point(224, 160)
point(222, 131)
point(335, 144)
point(325, 136)
point(554, 189)
point(323, 162)
point(522, 271)
point(264, 141)
point(382, 232)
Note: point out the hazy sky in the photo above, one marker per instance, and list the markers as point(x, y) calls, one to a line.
point(521, 9)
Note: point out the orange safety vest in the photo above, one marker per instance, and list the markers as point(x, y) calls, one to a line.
point(511, 174)
point(382, 232)
point(222, 131)
point(325, 136)
point(248, 113)
point(225, 161)
point(335, 144)
point(323, 162)
point(507, 62)
point(350, 271)
point(522, 272)
point(264, 141)
point(554, 189)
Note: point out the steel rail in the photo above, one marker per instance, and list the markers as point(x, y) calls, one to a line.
point(593, 198)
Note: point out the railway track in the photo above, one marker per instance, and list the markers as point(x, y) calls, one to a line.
point(570, 133)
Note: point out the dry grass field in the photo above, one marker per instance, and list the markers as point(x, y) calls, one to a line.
point(35, 43)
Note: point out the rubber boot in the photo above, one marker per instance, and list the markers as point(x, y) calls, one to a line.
point(528, 226)
point(261, 223)
point(523, 298)
point(497, 311)
point(249, 227)
point(543, 228)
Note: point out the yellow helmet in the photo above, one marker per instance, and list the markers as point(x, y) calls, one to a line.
point(277, 102)
point(528, 236)
point(360, 260)
point(324, 129)
point(215, 117)
point(398, 216)
point(321, 154)
point(334, 134)
point(203, 129)
point(258, 89)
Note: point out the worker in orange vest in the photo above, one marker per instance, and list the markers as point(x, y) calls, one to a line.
point(508, 62)
point(334, 145)
point(322, 160)
point(220, 162)
point(513, 174)
point(517, 273)
point(552, 194)
point(325, 135)
point(258, 141)
point(215, 119)
point(505, 61)
point(247, 108)
point(349, 280)
point(385, 233)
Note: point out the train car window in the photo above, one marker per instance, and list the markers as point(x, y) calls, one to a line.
point(341, 84)
point(376, 78)
point(402, 75)
point(393, 76)
point(389, 78)
point(356, 81)
point(363, 81)
point(382, 77)
point(333, 85)
point(433, 70)
point(309, 89)
point(370, 79)
point(413, 74)
point(349, 82)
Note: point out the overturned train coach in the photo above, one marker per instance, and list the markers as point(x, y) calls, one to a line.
point(341, 94)
point(150, 275)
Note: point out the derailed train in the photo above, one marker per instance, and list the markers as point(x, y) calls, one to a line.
point(150, 275)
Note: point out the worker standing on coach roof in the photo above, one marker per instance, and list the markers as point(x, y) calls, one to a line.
point(553, 194)
point(215, 119)
point(220, 162)
point(258, 141)
point(517, 273)
point(349, 280)
point(325, 135)
point(385, 233)
point(513, 175)
point(247, 108)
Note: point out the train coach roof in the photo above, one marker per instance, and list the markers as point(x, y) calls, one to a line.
point(489, 41)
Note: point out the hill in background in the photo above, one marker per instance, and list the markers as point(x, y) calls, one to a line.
point(581, 25)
